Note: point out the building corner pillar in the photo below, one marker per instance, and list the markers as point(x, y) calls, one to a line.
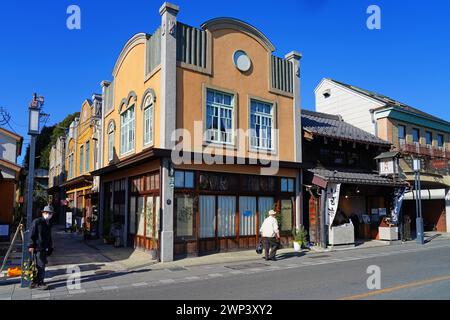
point(168, 99)
point(166, 213)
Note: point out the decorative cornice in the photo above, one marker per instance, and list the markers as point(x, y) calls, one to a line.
point(236, 24)
point(137, 39)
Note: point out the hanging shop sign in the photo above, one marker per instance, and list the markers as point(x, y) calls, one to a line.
point(388, 166)
point(333, 192)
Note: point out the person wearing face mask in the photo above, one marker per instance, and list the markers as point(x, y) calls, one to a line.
point(41, 245)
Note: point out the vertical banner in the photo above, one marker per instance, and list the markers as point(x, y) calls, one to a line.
point(333, 192)
point(398, 201)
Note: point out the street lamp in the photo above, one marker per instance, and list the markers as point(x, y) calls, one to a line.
point(33, 130)
point(419, 219)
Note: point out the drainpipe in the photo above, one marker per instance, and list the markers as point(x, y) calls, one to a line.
point(374, 121)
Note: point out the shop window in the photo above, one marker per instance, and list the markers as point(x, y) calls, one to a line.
point(287, 184)
point(247, 216)
point(207, 217)
point(152, 182)
point(267, 184)
point(184, 179)
point(286, 215)
point(265, 204)
point(149, 217)
point(218, 182)
point(227, 216)
point(185, 217)
point(140, 216)
point(133, 214)
point(261, 125)
point(219, 117)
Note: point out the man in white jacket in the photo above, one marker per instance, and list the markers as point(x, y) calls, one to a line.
point(270, 235)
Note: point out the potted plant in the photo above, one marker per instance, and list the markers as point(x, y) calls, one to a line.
point(300, 238)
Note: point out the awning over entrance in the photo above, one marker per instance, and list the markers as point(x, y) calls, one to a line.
point(428, 194)
point(351, 177)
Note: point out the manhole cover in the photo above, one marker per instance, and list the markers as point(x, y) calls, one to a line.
point(247, 266)
point(316, 257)
point(175, 269)
point(102, 272)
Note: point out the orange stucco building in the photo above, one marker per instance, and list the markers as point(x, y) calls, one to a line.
point(201, 138)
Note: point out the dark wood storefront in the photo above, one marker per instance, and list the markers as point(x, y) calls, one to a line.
point(216, 212)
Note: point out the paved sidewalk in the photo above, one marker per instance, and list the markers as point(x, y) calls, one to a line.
point(99, 272)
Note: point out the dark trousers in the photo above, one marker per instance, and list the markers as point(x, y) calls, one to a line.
point(41, 261)
point(272, 245)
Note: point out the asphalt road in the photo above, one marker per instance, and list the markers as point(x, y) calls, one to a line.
point(423, 274)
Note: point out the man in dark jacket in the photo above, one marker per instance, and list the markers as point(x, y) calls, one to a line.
point(41, 245)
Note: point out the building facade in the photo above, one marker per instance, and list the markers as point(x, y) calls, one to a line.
point(342, 181)
point(413, 133)
point(199, 138)
point(56, 177)
point(10, 150)
point(81, 159)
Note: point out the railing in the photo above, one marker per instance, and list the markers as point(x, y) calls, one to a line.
point(416, 148)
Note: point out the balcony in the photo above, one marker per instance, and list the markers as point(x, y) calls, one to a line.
point(417, 149)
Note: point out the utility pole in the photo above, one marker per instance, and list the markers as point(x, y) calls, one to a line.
point(33, 130)
point(419, 218)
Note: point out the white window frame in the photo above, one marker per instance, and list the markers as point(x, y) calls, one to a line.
point(220, 107)
point(81, 164)
point(149, 110)
point(111, 129)
point(262, 116)
point(127, 129)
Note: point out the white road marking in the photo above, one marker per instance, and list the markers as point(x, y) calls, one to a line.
point(108, 288)
point(192, 278)
point(140, 284)
point(167, 281)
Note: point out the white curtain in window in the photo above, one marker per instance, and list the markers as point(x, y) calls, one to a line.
point(207, 216)
point(140, 216)
point(149, 217)
point(227, 216)
point(265, 204)
point(247, 216)
point(148, 124)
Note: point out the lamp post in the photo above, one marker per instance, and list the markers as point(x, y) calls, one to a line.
point(419, 218)
point(33, 131)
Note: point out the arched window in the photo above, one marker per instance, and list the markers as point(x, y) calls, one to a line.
point(127, 129)
point(148, 109)
point(111, 129)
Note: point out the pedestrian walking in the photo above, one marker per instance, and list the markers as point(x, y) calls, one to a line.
point(41, 245)
point(271, 235)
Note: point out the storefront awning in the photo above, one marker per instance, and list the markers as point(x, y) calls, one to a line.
point(351, 177)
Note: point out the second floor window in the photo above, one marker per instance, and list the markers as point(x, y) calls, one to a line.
point(401, 133)
point(88, 147)
point(81, 159)
point(261, 125)
point(219, 117)
point(127, 131)
point(416, 135)
point(440, 140)
point(148, 121)
point(429, 138)
point(111, 141)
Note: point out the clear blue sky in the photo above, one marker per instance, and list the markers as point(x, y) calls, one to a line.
point(408, 59)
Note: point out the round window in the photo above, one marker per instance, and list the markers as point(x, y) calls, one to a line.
point(242, 61)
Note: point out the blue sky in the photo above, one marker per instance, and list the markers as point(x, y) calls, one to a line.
point(408, 59)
